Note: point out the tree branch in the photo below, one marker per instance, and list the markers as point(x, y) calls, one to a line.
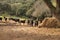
point(49, 4)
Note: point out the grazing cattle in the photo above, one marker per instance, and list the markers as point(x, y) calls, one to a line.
point(1, 18)
point(5, 18)
point(22, 21)
point(16, 20)
point(31, 23)
point(28, 21)
point(36, 23)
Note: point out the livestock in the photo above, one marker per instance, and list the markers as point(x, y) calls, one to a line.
point(31, 22)
point(22, 21)
point(5, 18)
point(28, 21)
point(14, 19)
point(36, 23)
point(1, 18)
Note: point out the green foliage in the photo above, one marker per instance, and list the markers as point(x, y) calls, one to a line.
point(29, 12)
point(18, 8)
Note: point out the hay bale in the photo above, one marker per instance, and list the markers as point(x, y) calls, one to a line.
point(50, 22)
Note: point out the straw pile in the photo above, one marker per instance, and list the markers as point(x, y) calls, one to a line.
point(50, 22)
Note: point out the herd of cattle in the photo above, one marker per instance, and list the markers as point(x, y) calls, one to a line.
point(28, 21)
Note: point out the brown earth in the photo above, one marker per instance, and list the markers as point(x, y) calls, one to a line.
point(28, 33)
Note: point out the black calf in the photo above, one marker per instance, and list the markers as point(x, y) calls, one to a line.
point(0, 18)
point(28, 21)
point(22, 21)
point(16, 20)
point(32, 22)
point(5, 18)
point(36, 23)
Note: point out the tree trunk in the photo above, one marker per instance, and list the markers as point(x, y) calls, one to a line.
point(49, 4)
point(57, 11)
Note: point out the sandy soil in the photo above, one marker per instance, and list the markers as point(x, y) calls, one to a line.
point(28, 33)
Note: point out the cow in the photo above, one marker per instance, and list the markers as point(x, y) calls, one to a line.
point(14, 19)
point(36, 23)
point(22, 21)
point(31, 23)
point(28, 21)
point(5, 18)
point(0, 18)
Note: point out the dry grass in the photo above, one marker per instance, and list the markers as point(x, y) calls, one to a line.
point(28, 33)
point(50, 22)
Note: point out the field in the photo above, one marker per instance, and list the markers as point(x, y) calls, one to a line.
point(9, 32)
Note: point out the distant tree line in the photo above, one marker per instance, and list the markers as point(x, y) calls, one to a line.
point(19, 8)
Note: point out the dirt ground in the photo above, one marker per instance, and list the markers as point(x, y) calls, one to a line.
point(28, 33)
